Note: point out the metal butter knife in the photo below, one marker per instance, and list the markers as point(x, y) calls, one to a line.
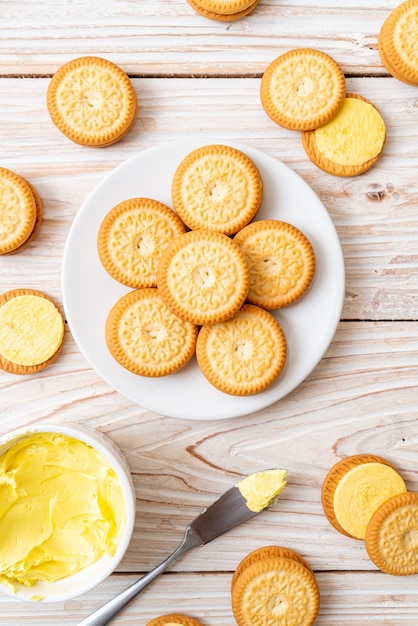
point(227, 512)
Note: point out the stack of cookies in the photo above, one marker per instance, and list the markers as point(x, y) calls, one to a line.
point(274, 585)
point(205, 277)
point(21, 212)
point(223, 10)
point(365, 497)
point(305, 90)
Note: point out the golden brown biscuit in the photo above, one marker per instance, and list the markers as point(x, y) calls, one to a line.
point(397, 42)
point(222, 17)
point(275, 591)
point(351, 142)
point(174, 619)
point(132, 237)
point(354, 488)
point(31, 331)
point(302, 89)
point(243, 355)
point(268, 552)
point(18, 211)
point(145, 337)
point(391, 537)
point(218, 188)
point(281, 261)
point(38, 220)
point(203, 277)
point(92, 101)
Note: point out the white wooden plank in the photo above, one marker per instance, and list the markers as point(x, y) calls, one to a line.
point(162, 37)
point(347, 599)
point(372, 212)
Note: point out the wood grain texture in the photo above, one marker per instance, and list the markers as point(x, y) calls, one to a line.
point(347, 599)
point(195, 77)
point(372, 212)
point(161, 37)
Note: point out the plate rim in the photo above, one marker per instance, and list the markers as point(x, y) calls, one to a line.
point(262, 400)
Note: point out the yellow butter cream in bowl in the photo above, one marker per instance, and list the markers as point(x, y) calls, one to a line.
point(67, 507)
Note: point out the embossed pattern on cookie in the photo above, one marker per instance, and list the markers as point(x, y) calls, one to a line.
point(218, 188)
point(92, 101)
point(302, 89)
point(132, 237)
point(392, 535)
point(18, 211)
point(276, 591)
point(397, 42)
point(203, 277)
point(281, 261)
point(145, 337)
point(243, 355)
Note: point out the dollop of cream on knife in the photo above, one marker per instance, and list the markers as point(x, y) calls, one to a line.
point(262, 489)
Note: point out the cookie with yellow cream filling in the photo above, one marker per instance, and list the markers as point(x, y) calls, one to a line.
point(351, 142)
point(353, 490)
point(174, 619)
point(31, 331)
point(397, 42)
point(392, 535)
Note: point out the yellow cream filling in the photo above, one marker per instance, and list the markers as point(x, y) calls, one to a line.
point(360, 493)
point(262, 489)
point(354, 136)
point(31, 330)
point(61, 509)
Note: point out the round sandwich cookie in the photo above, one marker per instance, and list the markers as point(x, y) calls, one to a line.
point(281, 261)
point(397, 42)
point(302, 89)
point(353, 490)
point(38, 220)
point(132, 237)
point(392, 535)
point(92, 101)
point(174, 619)
point(145, 337)
point(19, 211)
point(351, 142)
point(31, 331)
point(201, 8)
point(203, 277)
point(243, 355)
point(268, 552)
point(218, 188)
point(275, 591)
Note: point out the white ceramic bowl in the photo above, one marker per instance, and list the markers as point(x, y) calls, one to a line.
point(92, 575)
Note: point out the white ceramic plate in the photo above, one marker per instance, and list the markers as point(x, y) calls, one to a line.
point(89, 292)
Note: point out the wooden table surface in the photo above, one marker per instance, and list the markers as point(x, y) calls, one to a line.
point(200, 78)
